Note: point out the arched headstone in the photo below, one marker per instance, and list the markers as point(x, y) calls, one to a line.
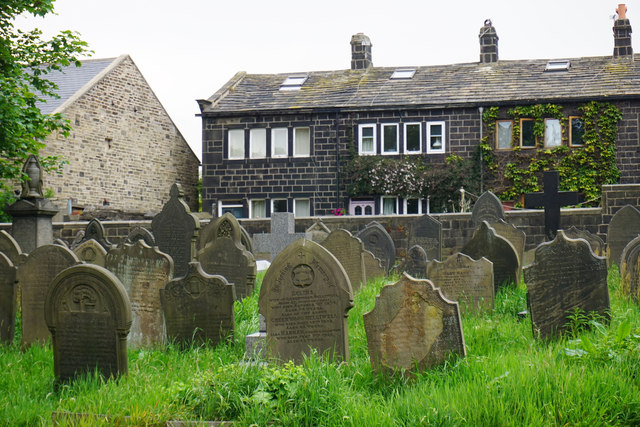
point(349, 251)
point(623, 228)
point(487, 208)
point(377, 241)
point(7, 299)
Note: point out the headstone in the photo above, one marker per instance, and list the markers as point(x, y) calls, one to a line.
point(379, 242)
point(60, 242)
point(143, 271)
point(319, 231)
point(34, 277)
point(426, 232)
point(7, 299)
point(305, 299)
point(462, 279)
point(514, 235)
point(92, 252)
point(415, 263)
point(176, 231)
point(348, 250)
point(630, 269)
point(487, 208)
point(11, 248)
point(282, 234)
point(245, 239)
point(566, 275)
point(486, 243)
point(623, 228)
point(88, 314)
point(597, 244)
point(198, 308)
point(225, 226)
point(93, 231)
point(373, 268)
point(140, 233)
point(412, 326)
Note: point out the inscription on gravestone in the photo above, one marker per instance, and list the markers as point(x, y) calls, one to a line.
point(623, 228)
point(349, 251)
point(487, 208)
point(7, 299)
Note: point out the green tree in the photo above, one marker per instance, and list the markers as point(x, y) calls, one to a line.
point(25, 61)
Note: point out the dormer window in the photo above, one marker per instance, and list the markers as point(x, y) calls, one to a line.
point(293, 82)
point(559, 65)
point(403, 74)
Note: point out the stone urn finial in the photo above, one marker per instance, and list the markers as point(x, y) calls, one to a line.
point(33, 170)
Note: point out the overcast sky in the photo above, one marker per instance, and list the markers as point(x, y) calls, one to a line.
point(187, 50)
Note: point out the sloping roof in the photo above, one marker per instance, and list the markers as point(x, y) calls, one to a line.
point(433, 86)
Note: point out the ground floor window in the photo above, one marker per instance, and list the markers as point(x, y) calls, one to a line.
point(361, 207)
point(258, 209)
point(389, 205)
point(412, 206)
point(233, 206)
point(301, 207)
point(279, 205)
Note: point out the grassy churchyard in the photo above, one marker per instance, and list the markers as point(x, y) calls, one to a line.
point(589, 377)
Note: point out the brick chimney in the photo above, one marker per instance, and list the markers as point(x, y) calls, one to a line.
point(360, 52)
point(488, 43)
point(622, 33)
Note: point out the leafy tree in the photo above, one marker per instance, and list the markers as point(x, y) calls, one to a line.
point(25, 61)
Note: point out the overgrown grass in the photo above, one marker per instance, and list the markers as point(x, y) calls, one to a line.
point(507, 378)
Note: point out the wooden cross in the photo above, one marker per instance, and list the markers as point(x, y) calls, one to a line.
point(552, 200)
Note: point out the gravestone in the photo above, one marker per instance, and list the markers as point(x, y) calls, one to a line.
point(11, 248)
point(373, 268)
point(282, 234)
point(623, 228)
point(462, 279)
point(143, 271)
point(225, 226)
point(35, 275)
point(305, 299)
point(245, 239)
point(426, 232)
point(94, 231)
point(319, 231)
point(92, 252)
point(415, 263)
point(514, 235)
point(630, 269)
point(597, 245)
point(379, 242)
point(412, 325)
point(487, 208)
point(140, 233)
point(349, 251)
point(88, 313)
point(198, 308)
point(486, 243)
point(7, 299)
point(176, 231)
point(565, 275)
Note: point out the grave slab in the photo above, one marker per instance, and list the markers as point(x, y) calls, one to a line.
point(91, 252)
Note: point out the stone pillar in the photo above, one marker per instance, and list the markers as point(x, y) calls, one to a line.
point(488, 43)
point(622, 33)
point(360, 52)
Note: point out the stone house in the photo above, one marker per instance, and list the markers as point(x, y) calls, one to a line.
point(280, 142)
point(124, 150)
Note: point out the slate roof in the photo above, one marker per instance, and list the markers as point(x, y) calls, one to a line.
point(521, 81)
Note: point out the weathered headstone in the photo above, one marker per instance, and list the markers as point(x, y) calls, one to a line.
point(88, 314)
point(143, 271)
point(514, 235)
point(486, 243)
point(245, 239)
point(373, 268)
point(92, 252)
point(566, 275)
point(7, 299)
point(282, 234)
point(349, 251)
point(415, 263)
point(623, 228)
point(379, 242)
point(11, 248)
point(426, 232)
point(305, 299)
point(140, 233)
point(412, 326)
point(34, 277)
point(198, 308)
point(487, 208)
point(597, 244)
point(630, 269)
point(462, 279)
point(176, 231)
point(319, 231)
point(94, 231)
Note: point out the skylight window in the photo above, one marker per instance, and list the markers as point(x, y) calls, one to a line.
point(560, 65)
point(403, 74)
point(293, 82)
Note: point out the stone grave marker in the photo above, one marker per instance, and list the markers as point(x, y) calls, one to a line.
point(597, 244)
point(487, 208)
point(630, 269)
point(373, 268)
point(514, 235)
point(140, 233)
point(379, 242)
point(415, 263)
point(349, 251)
point(176, 231)
point(88, 313)
point(198, 308)
point(462, 279)
point(623, 228)
point(245, 239)
point(486, 243)
point(426, 232)
point(305, 299)
point(35, 275)
point(319, 231)
point(7, 299)
point(11, 248)
point(143, 271)
point(60, 242)
point(91, 252)
point(282, 234)
point(412, 325)
point(224, 226)
point(94, 231)
point(566, 275)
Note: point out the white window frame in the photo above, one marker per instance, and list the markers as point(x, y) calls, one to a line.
point(443, 136)
point(395, 201)
point(251, 209)
point(375, 142)
point(302, 199)
point(404, 205)
point(405, 148)
point(286, 142)
point(509, 146)
point(252, 136)
point(228, 204)
point(276, 200)
point(546, 133)
point(230, 132)
point(308, 153)
point(382, 134)
point(363, 205)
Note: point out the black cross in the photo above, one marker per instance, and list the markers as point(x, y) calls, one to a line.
point(552, 200)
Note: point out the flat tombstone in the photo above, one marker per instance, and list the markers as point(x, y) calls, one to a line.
point(7, 299)
point(34, 277)
point(141, 233)
point(426, 232)
point(486, 243)
point(198, 308)
point(623, 228)
point(413, 325)
point(630, 269)
point(11, 248)
point(318, 231)
point(462, 279)
point(415, 263)
point(143, 271)
point(91, 252)
point(176, 231)
point(349, 251)
point(379, 242)
point(305, 299)
point(566, 275)
point(89, 316)
point(514, 235)
point(597, 245)
point(487, 208)
point(373, 268)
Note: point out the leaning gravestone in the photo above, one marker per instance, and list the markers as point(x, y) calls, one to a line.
point(462, 279)
point(318, 231)
point(143, 271)
point(198, 308)
point(426, 232)
point(282, 234)
point(176, 231)
point(7, 299)
point(565, 276)
point(630, 269)
point(373, 268)
point(379, 242)
point(305, 299)
point(91, 252)
point(514, 235)
point(623, 228)
point(11, 248)
point(349, 251)
point(486, 243)
point(487, 208)
point(415, 263)
point(412, 326)
point(88, 313)
point(94, 231)
point(597, 245)
point(140, 233)
point(34, 277)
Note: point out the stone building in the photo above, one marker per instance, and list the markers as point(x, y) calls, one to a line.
point(124, 150)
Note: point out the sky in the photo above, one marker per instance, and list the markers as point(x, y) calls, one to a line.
point(187, 50)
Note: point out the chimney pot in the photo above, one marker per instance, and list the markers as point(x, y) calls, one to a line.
point(622, 33)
